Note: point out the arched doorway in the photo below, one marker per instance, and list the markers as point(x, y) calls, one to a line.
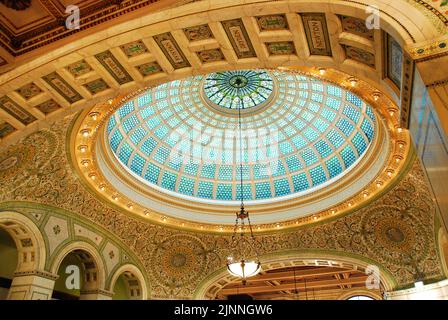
point(8, 257)
point(81, 273)
point(306, 282)
point(128, 283)
point(22, 252)
point(338, 275)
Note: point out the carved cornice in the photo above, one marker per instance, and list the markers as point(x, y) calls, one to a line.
point(38, 273)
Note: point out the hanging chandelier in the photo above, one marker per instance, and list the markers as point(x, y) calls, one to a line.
point(244, 262)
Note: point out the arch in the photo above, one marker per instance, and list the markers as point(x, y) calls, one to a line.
point(217, 280)
point(28, 239)
point(88, 255)
point(139, 290)
point(359, 292)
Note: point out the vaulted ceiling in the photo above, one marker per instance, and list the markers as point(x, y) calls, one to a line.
point(49, 71)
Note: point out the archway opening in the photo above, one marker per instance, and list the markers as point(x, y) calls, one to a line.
point(8, 256)
point(127, 287)
point(360, 298)
point(300, 283)
point(78, 276)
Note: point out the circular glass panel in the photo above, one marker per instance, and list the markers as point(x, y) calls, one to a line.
point(241, 89)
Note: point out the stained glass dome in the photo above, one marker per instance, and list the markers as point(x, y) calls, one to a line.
point(309, 134)
point(241, 89)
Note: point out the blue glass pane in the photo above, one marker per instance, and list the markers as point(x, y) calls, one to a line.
point(247, 192)
point(281, 187)
point(317, 175)
point(225, 172)
point(191, 168)
point(111, 124)
point(205, 190)
point(161, 155)
point(126, 109)
point(345, 126)
point(137, 164)
point(300, 182)
point(309, 157)
point(294, 164)
point(348, 156)
point(350, 97)
point(359, 143)
point(323, 149)
point(186, 186)
point(130, 123)
point(224, 192)
point(152, 173)
point(125, 152)
point(208, 171)
point(169, 180)
point(367, 128)
point(115, 140)
point(148, 146)
point(263, 190)
point(334, 167)
point(138, 135)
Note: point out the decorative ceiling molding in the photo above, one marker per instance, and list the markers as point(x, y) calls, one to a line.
point(144, 55)
point(51, 28)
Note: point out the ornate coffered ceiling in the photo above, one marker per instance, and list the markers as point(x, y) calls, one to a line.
point(152, 46)
point(28, 25)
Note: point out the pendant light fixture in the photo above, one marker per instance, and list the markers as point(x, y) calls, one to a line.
point(243, 262)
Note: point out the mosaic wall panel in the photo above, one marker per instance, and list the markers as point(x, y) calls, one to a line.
point(356, 26)
point(79, 68)
point(171, 49)
point(360, 55)
point(281, 48)
point(5, 129)
point(316, 31)
point(212, 55)
point(62, 87)
point(134, 49)
point(16, 111)
point(29, 91)
point(395, 232)
point(48, 107)
point(197, 33)
point(237, 34)
point(96, 86)
point(272, 22)
point(149, 68)
point(111, 64)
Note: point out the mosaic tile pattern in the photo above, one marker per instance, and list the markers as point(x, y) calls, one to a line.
point(272, 22)
point(149, 68)
point(134, 49)
point(29, 91)
point(197, 33)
